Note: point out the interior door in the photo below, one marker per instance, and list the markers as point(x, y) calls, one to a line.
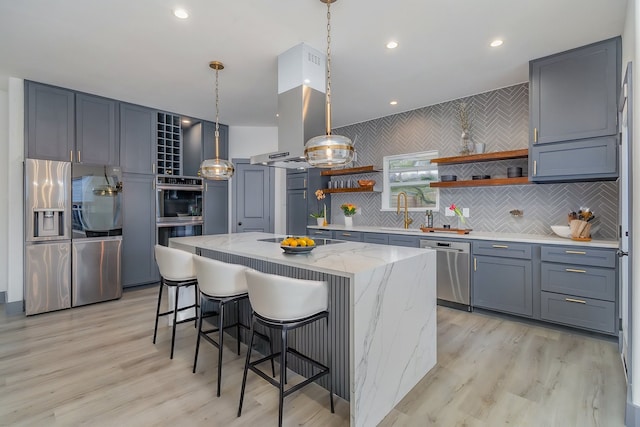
point(253, 194)
point(625, 108)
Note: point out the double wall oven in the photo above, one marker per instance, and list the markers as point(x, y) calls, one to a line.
point(178, 207)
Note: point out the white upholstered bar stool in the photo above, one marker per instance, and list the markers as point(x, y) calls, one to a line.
point(285, 303)
point(176, 271)
point(223, 284)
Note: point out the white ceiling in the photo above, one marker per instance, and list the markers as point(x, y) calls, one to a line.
point(139, 52)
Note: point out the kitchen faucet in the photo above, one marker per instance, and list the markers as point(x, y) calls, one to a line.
point(407, 220)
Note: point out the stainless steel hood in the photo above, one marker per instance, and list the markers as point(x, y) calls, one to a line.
point(301, 106)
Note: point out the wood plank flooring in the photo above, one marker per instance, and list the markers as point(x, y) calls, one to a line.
point(97, 366)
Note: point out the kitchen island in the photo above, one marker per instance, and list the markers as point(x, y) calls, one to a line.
point(382, 325)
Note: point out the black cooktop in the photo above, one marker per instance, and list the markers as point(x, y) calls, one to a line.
point(319, 242)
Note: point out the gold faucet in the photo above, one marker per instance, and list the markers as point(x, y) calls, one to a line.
point(407, 220)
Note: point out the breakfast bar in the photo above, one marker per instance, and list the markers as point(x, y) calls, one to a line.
point(382, 325)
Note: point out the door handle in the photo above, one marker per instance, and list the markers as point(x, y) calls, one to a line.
point(579, 301)
point(475, 264)
point(575, 252)
point(535, 168)
point(79, 161)
point(240, 223)
point(71, 156)
point(304, 195)
point(535, 134)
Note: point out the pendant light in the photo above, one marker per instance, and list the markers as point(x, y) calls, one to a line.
point(217, 169)
point(327, 151)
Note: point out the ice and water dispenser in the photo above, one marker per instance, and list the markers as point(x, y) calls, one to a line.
point(48, 222)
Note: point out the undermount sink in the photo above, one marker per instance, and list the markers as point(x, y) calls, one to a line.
point(411, 230)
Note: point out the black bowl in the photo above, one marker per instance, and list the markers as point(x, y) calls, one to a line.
point(448, 178)
point(514, 172)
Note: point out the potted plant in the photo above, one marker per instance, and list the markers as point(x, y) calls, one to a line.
point(321, 215)
point(349, 210)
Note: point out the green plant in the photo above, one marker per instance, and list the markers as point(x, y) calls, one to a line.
point(348, 209)
point(321, 212)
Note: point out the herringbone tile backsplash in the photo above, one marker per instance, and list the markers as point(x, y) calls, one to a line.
point(500, 119)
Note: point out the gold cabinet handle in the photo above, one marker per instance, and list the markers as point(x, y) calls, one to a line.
point(579, 301)
point(153, 168)
point(575, 252)
point(346, 234)
point(79, 161)
point(206, 186)
point(71, 156)
point(475, 264)
point(304, 195)
point(304, 182)
point(318, 232)
point(535, 134)
point(535, 167)
point(500, 246)
point(573, 270)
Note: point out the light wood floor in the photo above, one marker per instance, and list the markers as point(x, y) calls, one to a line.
point(96, 366)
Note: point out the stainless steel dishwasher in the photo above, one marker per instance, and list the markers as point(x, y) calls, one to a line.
point(452, 272)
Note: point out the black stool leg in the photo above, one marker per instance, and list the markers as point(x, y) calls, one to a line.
point(155, 329)
point(238, 325)
point(246, 367)
point(175, 319)
point(220, 342)
point(283, 375)
point(197, 295)
point(329, 366)
point(273, 366)
point(195, 360)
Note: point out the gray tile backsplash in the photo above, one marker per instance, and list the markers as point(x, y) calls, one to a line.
point(500, 119)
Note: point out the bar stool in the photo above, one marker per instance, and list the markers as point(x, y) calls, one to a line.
point(223, 284)
point(285, 304)
point(176, 271)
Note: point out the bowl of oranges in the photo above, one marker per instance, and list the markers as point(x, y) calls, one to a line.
point(297, 245)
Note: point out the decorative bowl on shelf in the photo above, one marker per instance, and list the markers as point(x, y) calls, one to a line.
point(366, 182)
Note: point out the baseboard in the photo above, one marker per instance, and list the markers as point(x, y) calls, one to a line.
point(14, 308)
point(3, 297)
point(632, 412)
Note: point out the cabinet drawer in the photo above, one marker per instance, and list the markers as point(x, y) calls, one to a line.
point(409, 241)
point(502, 249)
point(581, 312)
point(588, 282)
point(379, 238)
point(579, 255)
point(312, 232)
point(353, 236)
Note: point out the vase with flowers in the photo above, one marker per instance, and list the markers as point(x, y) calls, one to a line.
point(321, 215)
point(466, 146)
point(349, 210)
point(463, 221)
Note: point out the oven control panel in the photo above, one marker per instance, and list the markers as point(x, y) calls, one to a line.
point(179, 180)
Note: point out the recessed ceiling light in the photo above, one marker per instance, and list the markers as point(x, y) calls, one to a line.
point(392, 45)
point(185, 121)
point(181, 13)
point(307, 81)
point(496, 43)
point(394, 103)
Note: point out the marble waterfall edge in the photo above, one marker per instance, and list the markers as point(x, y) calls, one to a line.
point(394, 333)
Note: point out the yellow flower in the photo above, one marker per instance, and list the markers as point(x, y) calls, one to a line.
point(348, 209)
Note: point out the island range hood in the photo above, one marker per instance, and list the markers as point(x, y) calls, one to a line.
point(301, 106)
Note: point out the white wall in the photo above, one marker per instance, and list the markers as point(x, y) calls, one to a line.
point(4, 155)
point(247, 141)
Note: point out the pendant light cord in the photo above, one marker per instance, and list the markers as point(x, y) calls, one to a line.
point(217, 133)
point(328, 111)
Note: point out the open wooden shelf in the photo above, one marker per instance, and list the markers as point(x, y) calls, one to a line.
point(348, 171)
point(523, 180)
point(484, 157)
point(365, 189)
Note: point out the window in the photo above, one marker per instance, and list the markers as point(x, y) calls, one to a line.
point(410, 173)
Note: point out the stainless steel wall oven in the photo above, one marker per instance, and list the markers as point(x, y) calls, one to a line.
point(178, 207)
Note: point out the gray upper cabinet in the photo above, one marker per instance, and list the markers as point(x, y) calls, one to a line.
point(301, 188)
point(97, 140)
point(209, 141)
point(216, 207)
point(49, 122)
point(138, 230)
point(296, 217)
point(192, 137)
point(573, 114)
point(137, 139)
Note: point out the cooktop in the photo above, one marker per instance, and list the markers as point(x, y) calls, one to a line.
point(319, 242)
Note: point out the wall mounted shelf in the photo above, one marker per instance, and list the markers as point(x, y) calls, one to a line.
point(349, 171)
point(484, 157)
point(523, 180)
point(365, 189)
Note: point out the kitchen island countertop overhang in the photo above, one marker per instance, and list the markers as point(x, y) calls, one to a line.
point(383, 321)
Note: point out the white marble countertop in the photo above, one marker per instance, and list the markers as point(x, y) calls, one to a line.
point(343, 259)
point(478, 235)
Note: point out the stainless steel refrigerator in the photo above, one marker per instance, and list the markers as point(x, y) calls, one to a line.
point(73, 235)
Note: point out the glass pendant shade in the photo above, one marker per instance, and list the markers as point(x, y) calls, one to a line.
point(217, 169)
point(327, 151)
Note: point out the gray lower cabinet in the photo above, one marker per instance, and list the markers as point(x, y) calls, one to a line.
point(137, 139)
point(138, 230)
point(503, 277)
point(378, 238)
point(352, 236)
point(97, 139)
point(49, 122)
point(579, 287)
point(400, 240)
point(216, 207)
point(325, 234)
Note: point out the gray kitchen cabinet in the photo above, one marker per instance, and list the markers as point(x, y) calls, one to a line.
point(302, 201)
point(209, 141)
point(314, 232)
point(138, 230)
point(192, 148)
point(378, 238)
point(216, 207)
point(352, 236)
point(97, 139)
point(401, 240)
point(169, 144)
point(49, 122)
point(579, 287)
point(573, 98)
point(137, 139)
point(504, 281)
